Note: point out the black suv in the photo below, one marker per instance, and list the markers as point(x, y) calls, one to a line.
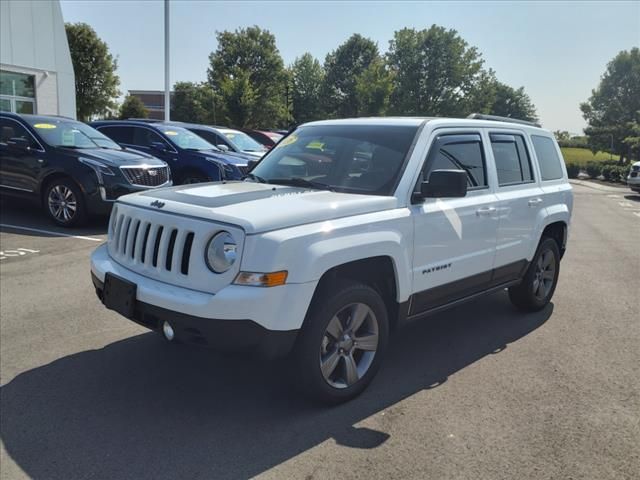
point(69, 168)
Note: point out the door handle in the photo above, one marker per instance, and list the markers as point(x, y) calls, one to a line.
point(535, 201)
point(486, 211)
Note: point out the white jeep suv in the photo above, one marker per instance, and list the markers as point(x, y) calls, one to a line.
point(343, 231)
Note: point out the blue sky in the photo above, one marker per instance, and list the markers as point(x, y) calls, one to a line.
point(556, 50)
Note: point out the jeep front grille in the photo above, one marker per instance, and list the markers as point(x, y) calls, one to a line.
point(149, 244)
point(146, 176)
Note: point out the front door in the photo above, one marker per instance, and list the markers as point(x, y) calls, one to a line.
point(454, 238)
point(19, 165)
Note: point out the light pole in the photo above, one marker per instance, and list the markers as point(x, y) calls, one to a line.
point(167, 84)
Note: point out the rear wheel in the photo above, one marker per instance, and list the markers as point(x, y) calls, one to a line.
point(539, 283)
point(342, 343)
point(64, 203)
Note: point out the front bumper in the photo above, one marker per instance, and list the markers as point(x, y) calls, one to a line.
point(236, 317)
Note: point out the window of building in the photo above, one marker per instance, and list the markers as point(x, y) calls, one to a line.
point(17, 92)
point(548, 159)
point(512, 159)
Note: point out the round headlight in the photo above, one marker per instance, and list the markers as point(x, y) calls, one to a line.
point(221, 252)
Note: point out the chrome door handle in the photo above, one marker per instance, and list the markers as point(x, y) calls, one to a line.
point(486, 211)
point(535, 201)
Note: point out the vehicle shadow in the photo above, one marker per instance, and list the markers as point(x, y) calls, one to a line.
point(22, 213)
point(635, 197)
point(141, 408)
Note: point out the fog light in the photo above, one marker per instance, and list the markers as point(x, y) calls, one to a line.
point(167, 330)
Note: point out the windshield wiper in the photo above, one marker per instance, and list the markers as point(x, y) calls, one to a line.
point(301, 182)
point(255, 178)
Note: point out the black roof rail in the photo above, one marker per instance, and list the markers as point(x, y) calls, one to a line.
point(146, 120)
point(496, 118)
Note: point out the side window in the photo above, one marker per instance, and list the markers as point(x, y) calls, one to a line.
point(144, 137)
point(10, 129)
point(207, 135)
point(117, 134)
point(458, 152)
point(512, 159)
point(550, 166)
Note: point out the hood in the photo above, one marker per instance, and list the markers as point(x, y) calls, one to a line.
point(225, 157)
point(239, 158)
point(254, 155)
point(116, 158)
point(259, 207)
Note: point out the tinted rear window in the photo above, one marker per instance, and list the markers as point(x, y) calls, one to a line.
point(548, 159)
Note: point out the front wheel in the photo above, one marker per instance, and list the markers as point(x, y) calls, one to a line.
point(539, 283)
point(342, 343)
point(64, 203)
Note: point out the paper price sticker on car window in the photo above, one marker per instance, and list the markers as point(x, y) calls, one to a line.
point(45, 126)
point(316, 144)
point(171, 133)
point(230, 135)
point(288, 141)
point(68, 138)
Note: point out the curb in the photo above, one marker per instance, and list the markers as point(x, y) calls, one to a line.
point(597, 186)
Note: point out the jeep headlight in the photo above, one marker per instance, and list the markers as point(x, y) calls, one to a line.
point(221, 252)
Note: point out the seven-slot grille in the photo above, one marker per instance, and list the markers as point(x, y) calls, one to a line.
point(152, 245)
point(146, 176)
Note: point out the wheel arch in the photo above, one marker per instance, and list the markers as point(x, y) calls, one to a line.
point(53, 176)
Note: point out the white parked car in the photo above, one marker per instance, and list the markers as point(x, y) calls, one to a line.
point(633, 179)
point(344, 230)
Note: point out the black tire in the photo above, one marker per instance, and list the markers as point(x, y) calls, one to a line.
point(193, 176)
point(56, 203)
point(527, 296)
point(311, 341)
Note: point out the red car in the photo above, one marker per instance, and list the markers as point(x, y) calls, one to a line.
point(266, 138)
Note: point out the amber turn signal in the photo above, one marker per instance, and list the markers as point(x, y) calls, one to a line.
point(254, 279)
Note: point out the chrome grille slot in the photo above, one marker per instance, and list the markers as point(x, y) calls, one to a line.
point(167, 247)
point(146, 176)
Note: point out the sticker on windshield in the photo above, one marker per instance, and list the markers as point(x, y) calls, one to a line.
point(183, 141)
point(44, 125)
point(287, 141)
point(68, 138)
point(316, 144)
point(171, 133)
point(229, 135)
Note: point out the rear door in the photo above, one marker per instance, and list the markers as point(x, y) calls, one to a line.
point(454, 238)
point(520, 203)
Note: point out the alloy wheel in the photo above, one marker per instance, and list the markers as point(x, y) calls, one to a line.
point(62, 203)
point(349, 345)
point(544, 275)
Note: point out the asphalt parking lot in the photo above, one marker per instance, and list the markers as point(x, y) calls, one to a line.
point(479, 392)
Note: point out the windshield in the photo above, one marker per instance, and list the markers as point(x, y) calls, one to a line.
point(185, 138)
point(243, 141)
point(357, 159)
point(70, 134)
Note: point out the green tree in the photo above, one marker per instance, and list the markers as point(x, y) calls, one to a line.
point(612, 110)
point(514, 103)
point(343, 67)
point(436, 72)
point(247, 73)
point(373, 89)
point(193, 102)
point(132, 107)
point(95, 71)
point(562, 135)
point(307, 77)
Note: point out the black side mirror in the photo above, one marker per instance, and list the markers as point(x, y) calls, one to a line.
point(158, 146)
point(18, 143)
point(445, 184)
point(252, 163)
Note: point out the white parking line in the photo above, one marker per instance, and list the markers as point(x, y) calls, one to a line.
point(48, 232)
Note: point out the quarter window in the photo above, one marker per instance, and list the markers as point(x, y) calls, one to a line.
point(548, 159)
point(512, 159)
point(459, 152)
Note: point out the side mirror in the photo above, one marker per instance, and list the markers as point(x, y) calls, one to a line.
point(252, 163)
point(445, 184)
point(18, 143)
point(158, 146)
point(223, 147)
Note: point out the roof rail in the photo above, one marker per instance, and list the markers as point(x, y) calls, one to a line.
point(146, 120)
point(496, 118)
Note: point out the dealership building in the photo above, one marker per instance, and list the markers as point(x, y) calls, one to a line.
point(36, 73)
